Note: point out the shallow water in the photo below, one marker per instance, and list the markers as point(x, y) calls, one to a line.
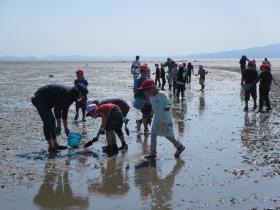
point(231, 159)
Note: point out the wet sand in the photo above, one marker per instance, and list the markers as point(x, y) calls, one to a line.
point(231, 161)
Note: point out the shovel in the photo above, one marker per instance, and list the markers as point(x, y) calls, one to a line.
point(89, 143)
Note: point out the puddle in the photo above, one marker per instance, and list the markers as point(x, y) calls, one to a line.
point(231, 161)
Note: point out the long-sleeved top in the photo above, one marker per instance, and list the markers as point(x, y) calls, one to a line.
point(81, 82)
point(250, 76)
point(265, 79)
point(58, 97)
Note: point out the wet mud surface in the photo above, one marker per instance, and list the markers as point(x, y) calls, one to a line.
point(231, 161)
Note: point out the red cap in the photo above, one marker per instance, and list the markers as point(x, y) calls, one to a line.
point(251, 63)
point(265, 67)
point(80, 72)
point(144, 67)
point(147, 84)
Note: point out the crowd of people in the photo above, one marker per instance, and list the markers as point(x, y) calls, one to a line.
point(149, 99)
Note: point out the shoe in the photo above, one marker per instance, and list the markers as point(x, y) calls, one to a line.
point(60, 147)
point(138, 125)
point(84, 119)
point(105, 148)
point(246, 109)
point(52, 150)
point(125, 120)
point(123, 147)
point(268, 109)
point(76, 117)
point(180, 149)
point(146, 130)
point(150, 156)
point(255, 106)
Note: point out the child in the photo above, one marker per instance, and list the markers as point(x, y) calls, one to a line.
point(124, 107)
point(265, 79)
point(157, 75)
point(202, 73)
point(181, 81)
point(142, 102)
point(162, 75)
point(162, 124)
point(80, 104)
point(111, 116)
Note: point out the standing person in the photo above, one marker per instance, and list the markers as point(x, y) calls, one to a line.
point(162, 124)
point(181, 81)
point(111, 116)
point(172, 68)
point(266, 61)
point(265, 79)
point(157, 73)
point(60, 98)
point(124, 107)
point(242, 63)
point(250, 76)
point(162, 75)
point(135, 68)
point(201, 73)
point(142, 102)
point(81, 104)
point(189, 72)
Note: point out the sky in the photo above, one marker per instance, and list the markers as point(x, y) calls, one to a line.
point(130, 27)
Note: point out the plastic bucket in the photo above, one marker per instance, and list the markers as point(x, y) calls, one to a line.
point(74, 140)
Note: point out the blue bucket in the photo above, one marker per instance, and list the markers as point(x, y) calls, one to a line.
point(74, 140)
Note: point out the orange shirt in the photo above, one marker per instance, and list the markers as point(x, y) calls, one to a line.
point(105, 109)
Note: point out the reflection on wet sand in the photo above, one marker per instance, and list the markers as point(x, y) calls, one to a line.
point(154, 187)
point(144, 143)
point(179, 111)
point(56, 192)
point(201, 106)
point(112, 181)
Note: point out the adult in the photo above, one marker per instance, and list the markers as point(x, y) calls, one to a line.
point(172, 70)
point(190, 72)
point(59, 98)
point(242, 63)
point(135, 67)
point(265, 79)
point(250, 76)
point(267, 62)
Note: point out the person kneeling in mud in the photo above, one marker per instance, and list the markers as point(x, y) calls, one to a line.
point(250, 76)
point(162, 124)
point(265, 79)
point(60, 98)
point(124, 108)
point(201, 73)
point(141, 102)
point(111, 116)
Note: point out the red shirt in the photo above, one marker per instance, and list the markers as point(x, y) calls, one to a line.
point(105, 109)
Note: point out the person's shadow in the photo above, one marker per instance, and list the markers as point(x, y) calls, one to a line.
point(114, 182)
point(151, 185)
point(55, 191)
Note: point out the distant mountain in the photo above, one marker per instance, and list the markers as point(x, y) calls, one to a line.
point(269, 51)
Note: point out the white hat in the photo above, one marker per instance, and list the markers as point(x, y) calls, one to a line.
point(91, 108)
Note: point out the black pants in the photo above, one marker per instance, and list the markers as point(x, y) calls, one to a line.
point(264, 97)
point(180, 89)
point(157, 80)
point(114, 122)
point(250, 91)
point(83, 105)
point(189, 78)
point(46, 115)
point(163, 82)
